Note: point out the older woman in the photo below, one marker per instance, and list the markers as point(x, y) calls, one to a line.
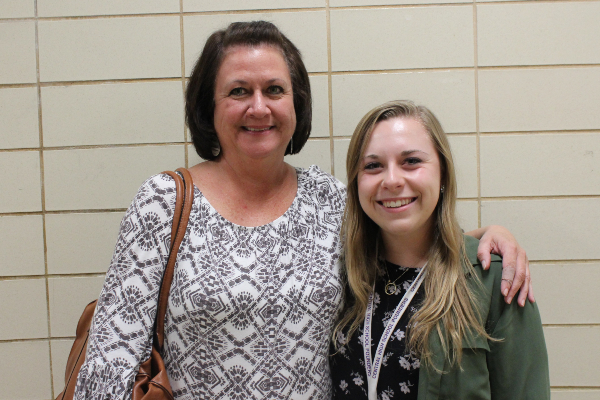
point(256, 288)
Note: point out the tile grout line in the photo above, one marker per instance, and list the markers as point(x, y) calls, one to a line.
point(43, 193)
point(329, 88)
point(182, 43)
point(477, 130)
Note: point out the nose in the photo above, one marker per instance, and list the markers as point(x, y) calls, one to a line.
point(393, 178)
point(258, 107)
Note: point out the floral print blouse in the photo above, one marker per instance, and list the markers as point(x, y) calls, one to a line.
point(399, 376)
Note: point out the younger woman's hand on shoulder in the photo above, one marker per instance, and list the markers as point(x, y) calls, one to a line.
point(515, 265)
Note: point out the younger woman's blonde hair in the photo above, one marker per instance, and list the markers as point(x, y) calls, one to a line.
point(448, 306)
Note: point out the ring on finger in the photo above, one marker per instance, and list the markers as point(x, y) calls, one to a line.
point(507, 280)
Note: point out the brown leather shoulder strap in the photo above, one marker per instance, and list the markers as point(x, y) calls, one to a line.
point(183, 207)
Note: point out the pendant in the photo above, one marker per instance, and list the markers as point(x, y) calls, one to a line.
point(390, 288)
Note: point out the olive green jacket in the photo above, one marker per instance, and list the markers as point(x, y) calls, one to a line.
point(513, 369)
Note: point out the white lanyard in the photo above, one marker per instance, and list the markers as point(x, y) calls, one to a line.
point(374, 368)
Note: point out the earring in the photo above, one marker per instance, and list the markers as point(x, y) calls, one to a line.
point(442, 189)
point(292, 145)
point(216, 150)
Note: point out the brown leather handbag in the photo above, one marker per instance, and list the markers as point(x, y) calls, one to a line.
point(151, 382)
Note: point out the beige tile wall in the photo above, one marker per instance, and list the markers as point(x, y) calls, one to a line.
point(91, 104)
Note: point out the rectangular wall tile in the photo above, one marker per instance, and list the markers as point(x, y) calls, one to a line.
point(538, 33)
point(467, 213)
point(21, 190)
point(540, 165)
point(66, 8)
point(22, 246)
point(19, 118)
point(317, 152)
point(464, 154)
point(81, 243)
point(539, 99)
point(25, 372)
point(123, 113)
point(24, 312)
point(574, 355)
point(110, 48)
point(319, 88)
point(103, 178)
point(17, 44)
point(340, 150)
point(17, 9)
point(393, 38)
point(449, 94)
point(578, 286)
point(224, 5)
point(349, 3)
point(575, 394)
point(68, 297)
point(60, 352)
point(306, 29)
point(551, 229)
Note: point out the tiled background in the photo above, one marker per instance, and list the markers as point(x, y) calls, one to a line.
point(91, 104)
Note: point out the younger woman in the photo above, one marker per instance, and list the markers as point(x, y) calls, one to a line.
point(422, 319)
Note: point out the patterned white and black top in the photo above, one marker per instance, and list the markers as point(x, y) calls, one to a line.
point(250, 309)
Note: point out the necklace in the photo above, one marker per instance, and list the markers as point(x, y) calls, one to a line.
point(390, 287)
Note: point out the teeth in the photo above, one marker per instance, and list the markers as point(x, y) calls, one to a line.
point(257, 129)
point(397, 203)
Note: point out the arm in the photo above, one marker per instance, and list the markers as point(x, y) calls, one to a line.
point(515, 272)
point(121, 332)
point(518, 364)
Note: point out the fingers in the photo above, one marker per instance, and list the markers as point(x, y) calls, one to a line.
point(483, 253)
point(508, 276)
point(530, 294)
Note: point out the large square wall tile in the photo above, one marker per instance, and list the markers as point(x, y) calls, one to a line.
point(550, 229)
point(578, 288)
point(17, 9)
point(349, 3)
point(103, 178)
point(224, 5)
point(64, 8)
point(395, 38)
point(21, 190)
point(306, 29)
point(110, 48)
point(25, 372)
point(538, 33)
point(575, 394)
point(315, 151)
point(319, 88)
point(122, 113)
point(464, 154)
point(539, 99)
point(467, 212)
point(60, 353)
point(17, 44)
point(24, 312)
point(574, 355)
point(68, 297)
point(449, 94)
point(81, 243)
point(340, 150)
point(19, 118)
point(540, 165)
point(22, 245)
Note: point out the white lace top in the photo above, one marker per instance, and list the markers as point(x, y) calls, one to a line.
point(250, 309)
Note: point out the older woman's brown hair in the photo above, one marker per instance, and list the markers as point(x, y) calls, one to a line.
point(200, 103)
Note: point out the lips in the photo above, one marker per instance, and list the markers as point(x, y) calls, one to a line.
point(397, 203)
point(257, 129)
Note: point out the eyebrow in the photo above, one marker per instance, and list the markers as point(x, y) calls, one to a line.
point(405, 153)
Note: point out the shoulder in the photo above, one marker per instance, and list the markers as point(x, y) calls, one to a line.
point(157, 193)
point(321, 184)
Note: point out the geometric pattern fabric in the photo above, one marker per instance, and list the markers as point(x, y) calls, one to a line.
point(250, 310)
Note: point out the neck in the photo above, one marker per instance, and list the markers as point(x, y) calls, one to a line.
point(408, 251)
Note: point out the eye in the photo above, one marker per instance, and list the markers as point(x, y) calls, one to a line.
point(238, 91)
point(372, 165)
point(275, 90)
point(413, 161)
